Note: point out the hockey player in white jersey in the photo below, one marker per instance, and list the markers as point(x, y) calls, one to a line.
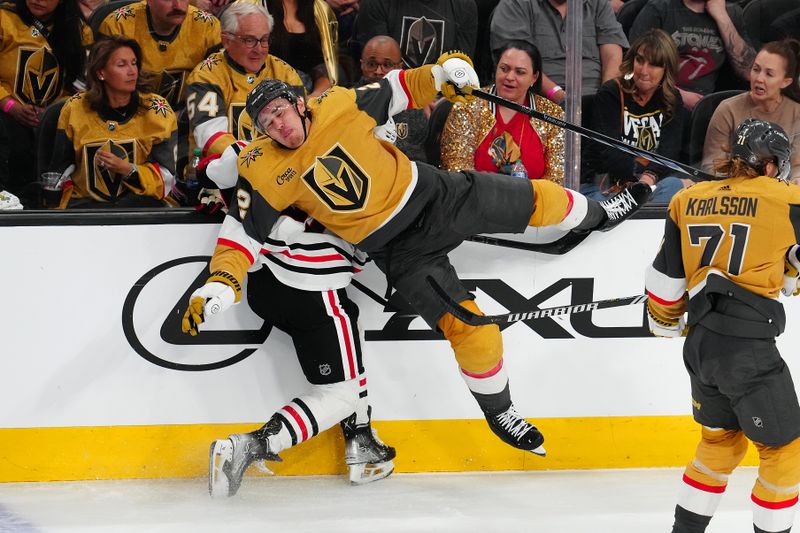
point(306, 269)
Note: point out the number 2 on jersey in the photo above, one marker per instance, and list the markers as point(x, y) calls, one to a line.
point(710, 237)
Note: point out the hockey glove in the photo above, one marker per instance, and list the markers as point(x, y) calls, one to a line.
point(212, 298)
point(454, 77)
point(210, 201)
point(665, 327)
point(791, 273)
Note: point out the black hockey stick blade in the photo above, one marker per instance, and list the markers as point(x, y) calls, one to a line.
point(595, 136)
point(557, 247)
point(473, 319)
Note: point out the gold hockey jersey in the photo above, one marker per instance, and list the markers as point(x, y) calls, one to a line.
point(171, 58)
point(739, 228)
point(342, 176)
point(147, 139)
point(216, 93)
point(29, 70)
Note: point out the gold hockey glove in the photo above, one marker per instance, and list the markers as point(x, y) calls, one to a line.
point(217, 295)
point(661, 326)
point(455, 77)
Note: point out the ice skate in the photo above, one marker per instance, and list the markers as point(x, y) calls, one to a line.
point(368, 458)
point(230, 458)
point(516, 431)
point(624, 204)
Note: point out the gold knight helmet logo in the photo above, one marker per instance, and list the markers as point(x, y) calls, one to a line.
point(37, 76)
point(338, 181)
point(101, 181)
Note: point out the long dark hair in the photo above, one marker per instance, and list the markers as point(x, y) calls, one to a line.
point(99, 57)
point(64, 37)
point(659, 49)
point(533, 53)
point(789, 50)
point(279, 37)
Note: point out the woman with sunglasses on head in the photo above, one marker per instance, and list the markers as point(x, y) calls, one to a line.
point(490, 138)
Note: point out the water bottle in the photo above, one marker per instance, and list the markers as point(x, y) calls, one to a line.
point(191, 171)
point(518, 170)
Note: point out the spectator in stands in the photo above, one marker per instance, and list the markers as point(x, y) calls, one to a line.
point(708, 33)
point(86, 8)
point(41, 56)
point(306, 35)
point(174, 37)
point(409, 128)
point(425, 29)
point(774, 96)
point(542, 23)
point(120, 137)
point(490, 138)
point(641, 107)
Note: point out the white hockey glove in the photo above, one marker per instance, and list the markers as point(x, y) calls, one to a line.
point(791, 273)
point(455, 77)
point(209, 201)
point(212, 298)
point(665, 327)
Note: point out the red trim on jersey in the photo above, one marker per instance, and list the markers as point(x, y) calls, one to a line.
point(237, 246)
point(402, 78)
point(362, 382)
point(211, 140)
point(702, 486)
point(345, 333)
point(308, 258)
point(773, 505)
point(661, 300)
point(487, 374)
point(570, 203)
point(303, 430)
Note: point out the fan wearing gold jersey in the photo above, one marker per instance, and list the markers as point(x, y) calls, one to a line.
point(325, 159)
point(40, 56)
point(730, 247)
point(120, 139)
point(175, 37)
point(218, 87)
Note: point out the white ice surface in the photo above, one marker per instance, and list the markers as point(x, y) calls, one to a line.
point(596, 501)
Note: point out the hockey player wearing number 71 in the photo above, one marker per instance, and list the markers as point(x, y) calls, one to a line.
point(324, 158)
point(732, 245)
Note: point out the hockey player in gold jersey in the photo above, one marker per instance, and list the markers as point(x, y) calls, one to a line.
point(730, 247)
point(175, 37)
point(324, 158)
point(120, 139)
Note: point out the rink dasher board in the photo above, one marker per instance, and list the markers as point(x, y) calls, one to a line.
point(93, 358)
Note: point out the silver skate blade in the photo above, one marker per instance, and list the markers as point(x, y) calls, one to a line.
point(361, 474)
point(540, 451)
point(221, 452)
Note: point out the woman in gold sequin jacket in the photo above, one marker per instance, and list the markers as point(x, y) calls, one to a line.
point(490, 138)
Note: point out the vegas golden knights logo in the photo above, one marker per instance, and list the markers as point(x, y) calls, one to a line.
point(37, 75)
point(170, 86)
point(338, 181)
point(240, 122)
point(101, 181)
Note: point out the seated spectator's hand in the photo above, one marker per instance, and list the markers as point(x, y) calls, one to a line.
point(25, 114)
point(690, 99)
point(455, 77)
point(687, 182)
point(113, 163)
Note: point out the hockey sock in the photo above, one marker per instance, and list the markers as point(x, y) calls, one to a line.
point(775, 496)
point(490, 389)
point(689, 522)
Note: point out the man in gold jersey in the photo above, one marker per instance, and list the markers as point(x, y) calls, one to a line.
point(729, 249)
point(175, 37)
point(324, 158)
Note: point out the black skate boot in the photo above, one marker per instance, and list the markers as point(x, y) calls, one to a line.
point(368, 458)
point(625, 203)
point(516, 431)
point(230, 458)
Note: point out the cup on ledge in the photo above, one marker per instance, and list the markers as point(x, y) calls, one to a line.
point(52, 188)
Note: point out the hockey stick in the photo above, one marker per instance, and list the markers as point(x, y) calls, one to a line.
point(595, 136)
point(559, 246)
point(468, 317)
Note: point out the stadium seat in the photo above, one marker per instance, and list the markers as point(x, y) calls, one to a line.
point(627, 14)
point(759, 14)
point(698, 123)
